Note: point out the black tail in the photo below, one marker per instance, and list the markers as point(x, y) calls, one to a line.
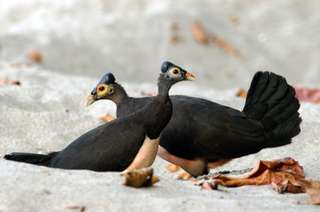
point(271, 100)
point(37, 159)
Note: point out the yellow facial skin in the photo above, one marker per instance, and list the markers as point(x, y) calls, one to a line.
point(176, 72)
point(104, 90)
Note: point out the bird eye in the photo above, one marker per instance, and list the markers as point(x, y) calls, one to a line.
point(101, 88)
point(111, 90)
point(175, 71)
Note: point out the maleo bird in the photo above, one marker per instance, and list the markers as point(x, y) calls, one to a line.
point(202, 134)
point(126, 143)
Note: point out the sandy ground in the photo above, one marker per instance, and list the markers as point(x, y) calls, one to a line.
point(46, 113)
point(81, 39)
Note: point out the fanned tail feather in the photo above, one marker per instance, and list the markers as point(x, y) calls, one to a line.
point(271, 100)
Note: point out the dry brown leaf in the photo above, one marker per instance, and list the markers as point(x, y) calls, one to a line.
point(106, 118)
point(223, 44)
point(6, 81)
point(198, 33)
point(201, 36)
point(285, 175)
point(174, 38)
point(308, 94)
point(76, 207)
point(35, 56)
point(241, 93)
point(265, 173)
point(233, 19)
point(139, 177)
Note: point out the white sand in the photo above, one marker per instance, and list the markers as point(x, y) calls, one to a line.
point(34, 119)
point(131, 38)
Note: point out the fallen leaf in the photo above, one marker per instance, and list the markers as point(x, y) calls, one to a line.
point(198, 33)
point(264, 173)
point(35, 56)
point(223, 44)
point(174, 38)
point(233, 19)
point(308, 94)
point(15, 82)
point(285, 175)
point(106, 118)
point(203, 37)
point(6, 81)
point(241, 93)
point(139, 177)
point(76, 207)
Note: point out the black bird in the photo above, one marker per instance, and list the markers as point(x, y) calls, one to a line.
point(202, 134)
point(126, 143)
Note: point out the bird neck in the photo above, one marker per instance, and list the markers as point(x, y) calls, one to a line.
point(164, 86)
point(120, 95)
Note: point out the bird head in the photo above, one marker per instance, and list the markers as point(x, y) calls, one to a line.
point(175, 73)
point(103, 90)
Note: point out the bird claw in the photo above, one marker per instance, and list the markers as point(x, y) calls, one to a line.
point(184, 176)
point(172, 167)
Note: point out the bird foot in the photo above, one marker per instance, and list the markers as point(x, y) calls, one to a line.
point(184, 176)
point(172, 167)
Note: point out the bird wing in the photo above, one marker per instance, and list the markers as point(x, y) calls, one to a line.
point(109, 147)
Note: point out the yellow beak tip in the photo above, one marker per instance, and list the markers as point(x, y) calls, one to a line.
point(190, 76)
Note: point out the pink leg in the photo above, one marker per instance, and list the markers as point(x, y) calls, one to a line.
point(194, 167)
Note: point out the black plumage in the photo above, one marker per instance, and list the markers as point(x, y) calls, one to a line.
point(114, 146)
point(201, 129)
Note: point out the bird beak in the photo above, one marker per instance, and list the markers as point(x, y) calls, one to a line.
point(189, 76)
point(90, 99)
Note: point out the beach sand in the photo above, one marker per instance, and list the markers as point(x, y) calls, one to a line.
point(47, 112)
point(79, 40)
